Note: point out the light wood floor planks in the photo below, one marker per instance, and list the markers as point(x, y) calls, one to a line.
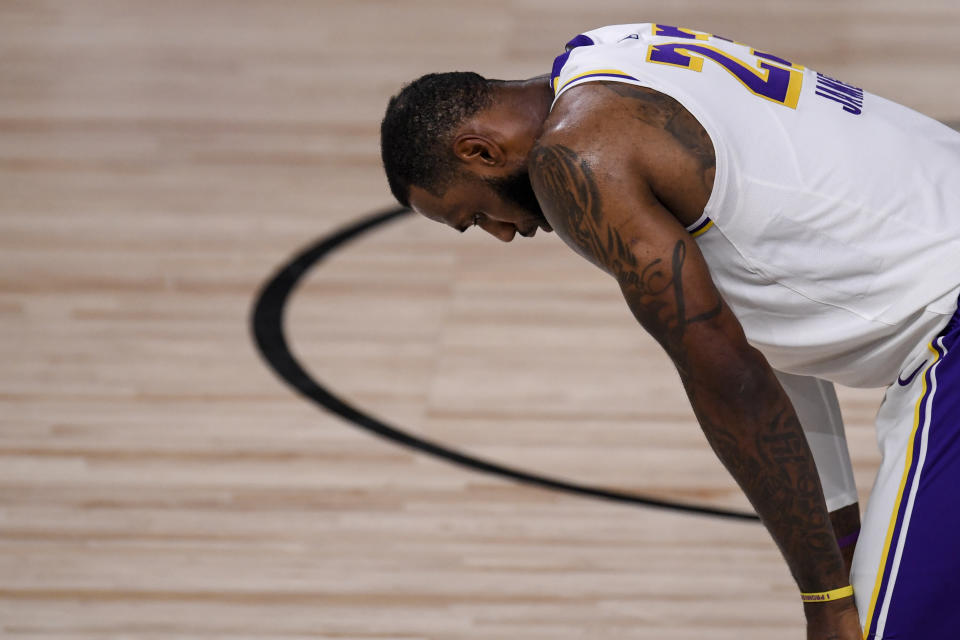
point(158, 160)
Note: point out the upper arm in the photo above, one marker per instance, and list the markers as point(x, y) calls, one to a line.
point(594, 192)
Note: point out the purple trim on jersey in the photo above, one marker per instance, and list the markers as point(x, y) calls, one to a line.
point(558, 63)
point(923, 602)
point(580, 41)
point(702, 224)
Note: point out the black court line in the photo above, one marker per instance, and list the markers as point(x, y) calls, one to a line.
point(268, 332)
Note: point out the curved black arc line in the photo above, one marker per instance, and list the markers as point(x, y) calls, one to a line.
point(268, 331)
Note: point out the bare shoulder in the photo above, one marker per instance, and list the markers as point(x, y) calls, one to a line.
point(595, 102)
point(606, 106)
point(638, 135)
point(589, 116)
point(588, 150)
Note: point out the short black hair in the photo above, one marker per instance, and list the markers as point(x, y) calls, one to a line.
point(416, 131)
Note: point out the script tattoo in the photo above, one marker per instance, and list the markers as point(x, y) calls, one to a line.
point(655, 290)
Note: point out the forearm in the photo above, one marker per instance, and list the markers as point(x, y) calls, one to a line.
point(752, 427)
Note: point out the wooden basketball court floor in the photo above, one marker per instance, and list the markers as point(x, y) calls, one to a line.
point(160, 161)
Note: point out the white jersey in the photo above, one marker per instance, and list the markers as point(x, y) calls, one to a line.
point(833, 228)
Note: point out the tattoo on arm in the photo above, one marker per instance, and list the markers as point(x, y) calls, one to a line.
point(774, 467)
point(752, 428)
point(654, 291)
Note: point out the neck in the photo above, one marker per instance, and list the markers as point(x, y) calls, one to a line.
point(531, 98)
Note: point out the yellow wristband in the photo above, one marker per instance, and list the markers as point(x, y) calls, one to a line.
point(827, 596)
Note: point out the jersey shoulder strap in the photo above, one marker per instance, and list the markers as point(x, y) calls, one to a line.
point(583, 56)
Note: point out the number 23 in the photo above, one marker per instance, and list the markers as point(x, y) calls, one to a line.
point(769, 80)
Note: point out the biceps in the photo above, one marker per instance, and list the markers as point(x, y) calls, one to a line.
point(667, 293)
point(609, 216)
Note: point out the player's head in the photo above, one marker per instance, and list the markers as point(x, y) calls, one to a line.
point(454, 147)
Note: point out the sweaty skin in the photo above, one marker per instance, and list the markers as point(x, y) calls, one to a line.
point(684, 191)
point(619, 171)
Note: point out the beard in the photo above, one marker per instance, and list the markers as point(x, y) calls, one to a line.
point(516, 189)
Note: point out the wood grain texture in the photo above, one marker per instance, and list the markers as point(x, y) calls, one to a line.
point(159, 159)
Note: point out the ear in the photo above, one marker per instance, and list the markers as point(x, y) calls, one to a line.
point(475, 149)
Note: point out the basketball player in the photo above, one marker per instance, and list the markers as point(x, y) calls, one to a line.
point(776, 230)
